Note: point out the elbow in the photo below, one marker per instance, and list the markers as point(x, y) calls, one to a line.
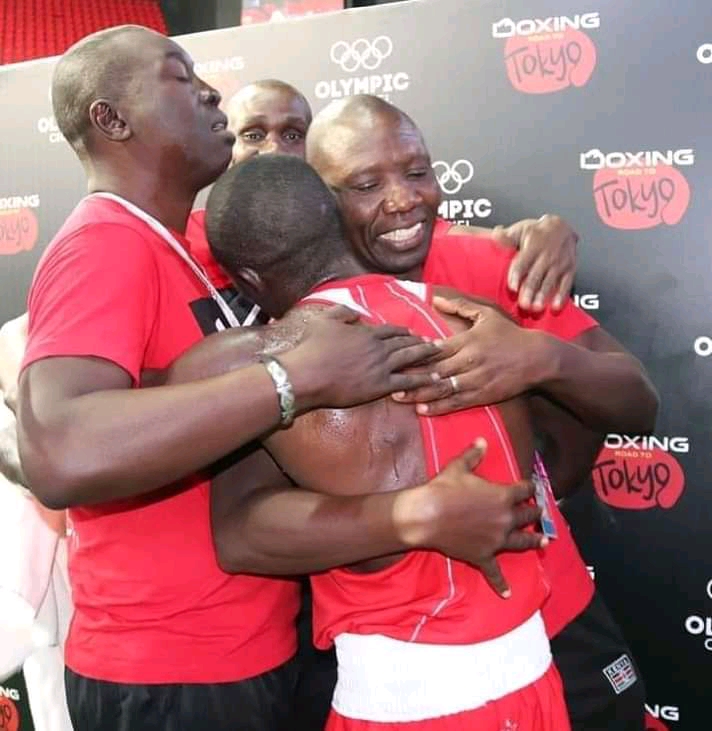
point(232, 552)
point(644, 415)
point(56, 479)
point(52, 489)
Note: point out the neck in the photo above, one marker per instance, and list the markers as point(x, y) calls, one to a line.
point(342, 268)
point(168, 201)
point(413, 275)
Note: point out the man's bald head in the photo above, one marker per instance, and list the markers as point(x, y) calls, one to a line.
point(96, 67)
point(268, 116)
point(248, 94)
point(373, 157)
point(345, 119)
point(129, 102)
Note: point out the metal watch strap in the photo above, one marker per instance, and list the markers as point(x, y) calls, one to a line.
point(283, 386)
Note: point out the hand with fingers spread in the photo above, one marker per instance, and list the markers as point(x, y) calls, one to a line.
point(472, 520)
point(339, 362)
point(543, 270)
point(494, 360)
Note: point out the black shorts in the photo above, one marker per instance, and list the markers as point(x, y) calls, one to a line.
point(263, 703)
point(317, 672)
point(602, 683)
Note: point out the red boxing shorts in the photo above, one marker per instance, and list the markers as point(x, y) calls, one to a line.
point(505, 684)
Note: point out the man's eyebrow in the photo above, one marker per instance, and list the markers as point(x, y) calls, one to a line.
point(188, 63)
point(260, 119)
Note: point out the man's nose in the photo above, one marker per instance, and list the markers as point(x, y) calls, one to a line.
point(400, 198)
point(210, 95)
point(271, 144)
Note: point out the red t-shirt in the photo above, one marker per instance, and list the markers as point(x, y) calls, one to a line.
point(479, 266)
point(425, 596)
point(200, 249)
point(151, 603)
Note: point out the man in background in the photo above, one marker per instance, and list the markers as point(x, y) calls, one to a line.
point(35, 602)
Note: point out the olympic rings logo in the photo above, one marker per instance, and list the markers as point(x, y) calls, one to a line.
point(703, 347)
point(452, 178)
point(361, 53)
point(704, 53)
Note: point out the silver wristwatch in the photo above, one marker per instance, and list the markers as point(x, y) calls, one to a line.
point(283, 386)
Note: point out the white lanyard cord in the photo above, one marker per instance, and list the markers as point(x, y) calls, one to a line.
point(171, 240)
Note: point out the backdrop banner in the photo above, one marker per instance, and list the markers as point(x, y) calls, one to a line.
point(599, 111)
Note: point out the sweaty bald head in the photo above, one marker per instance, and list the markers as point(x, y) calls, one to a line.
point(268, 116)
point(96, 67)
point(346, 122)
point(374, 159)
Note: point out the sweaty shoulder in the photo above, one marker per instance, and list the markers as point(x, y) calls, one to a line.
point(477, 264)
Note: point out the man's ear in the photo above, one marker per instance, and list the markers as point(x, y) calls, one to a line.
point(250, 283)
point(109, 121)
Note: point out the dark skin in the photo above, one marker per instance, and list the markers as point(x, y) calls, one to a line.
point(85, 435)
point(271, 116)
point(268, 117)
point(377, 164)
point(377, 448)
point(262, 524)
point(278, 529)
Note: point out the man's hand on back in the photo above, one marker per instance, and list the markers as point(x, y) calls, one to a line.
point(494, 360)
point(339, 363)
point(545, 265)
point(468, 518)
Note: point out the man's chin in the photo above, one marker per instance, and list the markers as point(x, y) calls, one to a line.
point(403, 262)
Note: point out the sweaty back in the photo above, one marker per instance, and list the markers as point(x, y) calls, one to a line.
point(336, 452)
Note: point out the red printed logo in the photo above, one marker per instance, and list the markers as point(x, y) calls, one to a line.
point(9, 715)
point(639, 473)
point(18, 223)
point(550, 54)
point(639, 190)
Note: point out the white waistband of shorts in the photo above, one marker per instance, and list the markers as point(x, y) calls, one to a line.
point(390, 681)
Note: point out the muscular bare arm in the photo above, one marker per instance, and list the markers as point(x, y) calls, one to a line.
point(601, 383)
point(87, 437)
point(569, 449)
point(262, 524)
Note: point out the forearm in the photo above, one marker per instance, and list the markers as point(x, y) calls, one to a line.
point(224, 352)
point(607, 391)
point(288, 531)
point(114, 444)
point(567, 447)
